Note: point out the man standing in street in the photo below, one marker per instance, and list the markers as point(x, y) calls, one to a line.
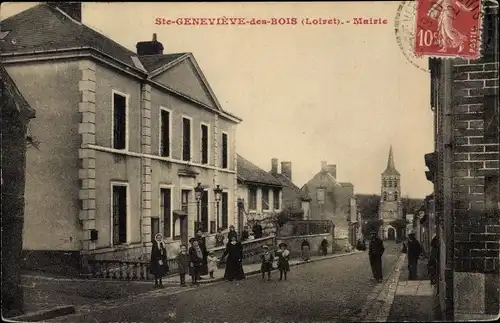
point(376, 250)
point(414, 251)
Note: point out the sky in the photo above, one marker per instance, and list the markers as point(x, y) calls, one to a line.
point(306, 93)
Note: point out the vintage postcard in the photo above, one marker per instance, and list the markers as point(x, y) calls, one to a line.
point(250, 161)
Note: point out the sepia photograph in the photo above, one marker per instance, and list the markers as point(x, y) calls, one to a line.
point(250, 161)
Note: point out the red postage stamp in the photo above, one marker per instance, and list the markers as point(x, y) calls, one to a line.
point(448, 28)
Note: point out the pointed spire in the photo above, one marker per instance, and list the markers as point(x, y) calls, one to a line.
point(390, 161)
point(391, 168)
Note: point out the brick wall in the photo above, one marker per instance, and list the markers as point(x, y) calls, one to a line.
point(475, 179)
point(476, 164)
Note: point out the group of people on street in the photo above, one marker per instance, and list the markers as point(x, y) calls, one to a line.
point(412, 248)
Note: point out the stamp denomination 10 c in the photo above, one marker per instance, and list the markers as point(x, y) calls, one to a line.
point(448, 28)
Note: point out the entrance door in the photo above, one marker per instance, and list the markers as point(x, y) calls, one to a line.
point(183, 225)
point(391, 234)
point(184, 229)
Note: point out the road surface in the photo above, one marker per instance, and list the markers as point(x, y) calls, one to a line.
point(328, 290)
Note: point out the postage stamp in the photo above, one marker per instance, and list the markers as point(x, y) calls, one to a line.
point(448, 28)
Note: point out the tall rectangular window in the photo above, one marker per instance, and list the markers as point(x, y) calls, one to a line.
point(265, 199)
point(119, 214)
point(119, 121)
point(224, 210)
point(252, 199)
point(166, 211)
point(225, 155)
point(204, 144)
point(164, 132)
point(277, 204)
point(491, 119)
point(186, 139)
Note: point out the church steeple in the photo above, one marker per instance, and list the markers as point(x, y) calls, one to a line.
point(391, 168)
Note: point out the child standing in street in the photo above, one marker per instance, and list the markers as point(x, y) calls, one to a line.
point(195, 260)
point(283, 258)
point(183, 261)
point(267, 263)
point(212, 263)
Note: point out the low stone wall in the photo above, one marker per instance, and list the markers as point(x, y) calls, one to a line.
point(294, 243)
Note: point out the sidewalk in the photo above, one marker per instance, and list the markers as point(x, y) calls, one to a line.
point(414, 299)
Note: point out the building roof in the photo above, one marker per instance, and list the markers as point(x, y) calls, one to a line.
point(251, 173)
point(391, 168)
point(22, 106)
point(44, 29)
point(51, 29)
point(288, 183)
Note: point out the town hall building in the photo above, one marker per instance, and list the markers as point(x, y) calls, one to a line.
point(391, 208)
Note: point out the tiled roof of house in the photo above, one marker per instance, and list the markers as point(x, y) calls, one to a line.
point(9, 85)
point(248, 172)
point(153, 62)
point(288, 183)
point(43, 28)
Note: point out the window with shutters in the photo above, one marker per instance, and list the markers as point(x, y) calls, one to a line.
point(224, 148)
point(252, 199)
point(119, 206)
point(204, 144)
point(165, 132)
point(186, 139)
point(277, 204)
point(265, 199)
point(491, 119)
point(166, 211)
point(119, 126)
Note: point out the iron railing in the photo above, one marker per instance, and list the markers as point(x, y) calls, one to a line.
point(140, 269)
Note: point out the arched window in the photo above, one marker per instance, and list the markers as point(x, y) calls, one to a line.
point(384, 196)
point(396, 196)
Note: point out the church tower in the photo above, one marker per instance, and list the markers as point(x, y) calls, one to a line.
point(390, 199)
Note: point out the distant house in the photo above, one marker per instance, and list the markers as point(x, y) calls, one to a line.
point(126, 136)
point(330, 199)
point(261, 192)
point(293, 197)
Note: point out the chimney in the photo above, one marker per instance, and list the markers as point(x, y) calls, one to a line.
point(286, 169)
point(151, 47)
point(332, 169)
point(274, 166)
point(71, 8)
point(323, 166)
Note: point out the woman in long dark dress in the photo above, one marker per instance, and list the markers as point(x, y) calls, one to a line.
point(234, 266)
point(202, 242)
point(158, 264)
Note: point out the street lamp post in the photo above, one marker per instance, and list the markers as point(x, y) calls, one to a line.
point(218, 196)
point(198, 191)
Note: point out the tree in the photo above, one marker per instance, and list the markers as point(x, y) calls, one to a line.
point(368, 205)
point(289, 213)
